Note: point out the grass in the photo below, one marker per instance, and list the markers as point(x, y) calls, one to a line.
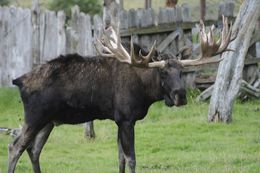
point(168, 140)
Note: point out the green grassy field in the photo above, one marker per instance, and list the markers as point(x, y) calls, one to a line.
point(168, 140)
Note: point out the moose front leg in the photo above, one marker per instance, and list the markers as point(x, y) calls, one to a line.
point(121, 156)
point(126, 142)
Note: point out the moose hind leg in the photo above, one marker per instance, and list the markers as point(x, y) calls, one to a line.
point(16, 149)
point(89, 130)
point(35, 148)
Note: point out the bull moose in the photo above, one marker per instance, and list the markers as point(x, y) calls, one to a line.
point(119, 85)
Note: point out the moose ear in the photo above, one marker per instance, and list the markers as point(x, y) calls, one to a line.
point(184, 53)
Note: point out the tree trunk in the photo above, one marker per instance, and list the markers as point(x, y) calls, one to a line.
point(230, 69)
point(148, 4)
point(171, 3)
point(202, 9)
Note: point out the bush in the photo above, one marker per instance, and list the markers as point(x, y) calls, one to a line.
point(88, 6)
point(4, 2)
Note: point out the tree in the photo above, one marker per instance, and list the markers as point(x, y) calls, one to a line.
point(202, 9)
point(88, 6)
point(171, 3)
point(229, 75)
point(148, 4)
point(4, 2)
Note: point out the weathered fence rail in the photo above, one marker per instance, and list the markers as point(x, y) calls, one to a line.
point(29, 36)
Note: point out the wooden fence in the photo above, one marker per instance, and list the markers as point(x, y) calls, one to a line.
point(29, 37)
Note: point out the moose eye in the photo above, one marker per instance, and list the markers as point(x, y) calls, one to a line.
point(162, 83)
point(164, 74)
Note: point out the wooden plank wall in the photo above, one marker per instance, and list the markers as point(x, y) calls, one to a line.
point(29, 37)
point(15, 43)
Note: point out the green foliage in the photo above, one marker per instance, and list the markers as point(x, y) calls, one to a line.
point(88, 6)
point(177, 139)
point(192, 94)
point(4, 2)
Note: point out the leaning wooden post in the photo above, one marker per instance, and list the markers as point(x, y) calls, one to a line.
point(36, 33)
point(229, 75)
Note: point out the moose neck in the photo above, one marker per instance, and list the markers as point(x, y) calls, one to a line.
point(152, 84)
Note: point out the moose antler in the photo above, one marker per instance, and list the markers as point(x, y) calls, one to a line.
point(210, 47)
point(111, 44)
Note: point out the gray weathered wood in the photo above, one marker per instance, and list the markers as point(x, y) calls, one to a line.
point(98, 28)
point(257, 49)
point(163, 16)
point(48, 36)
point(177, 14)
point(15, 44)
point(61, 33)
point(206, 94)
point(211, 14)
point(111, 12)
point(132, 19)
point(36, 53)
point(249, 89)
point(121, 3)
point(226, 9)
point(230, 70)
point(139, 17)
point(71, 40)
point(164, 44)
point(81, 24)
point(186, 16)
point(123, 19)
point(148, 18)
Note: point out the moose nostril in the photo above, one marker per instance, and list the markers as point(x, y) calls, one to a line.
point(178, 91)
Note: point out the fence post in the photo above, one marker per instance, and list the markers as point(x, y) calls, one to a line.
point(111, 13)
point(226, 9)
point(61, 17)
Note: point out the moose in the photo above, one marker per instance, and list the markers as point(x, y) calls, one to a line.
point(119, 84)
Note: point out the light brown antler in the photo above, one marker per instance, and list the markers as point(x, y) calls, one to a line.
point(111, 44)
point(210, 47)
